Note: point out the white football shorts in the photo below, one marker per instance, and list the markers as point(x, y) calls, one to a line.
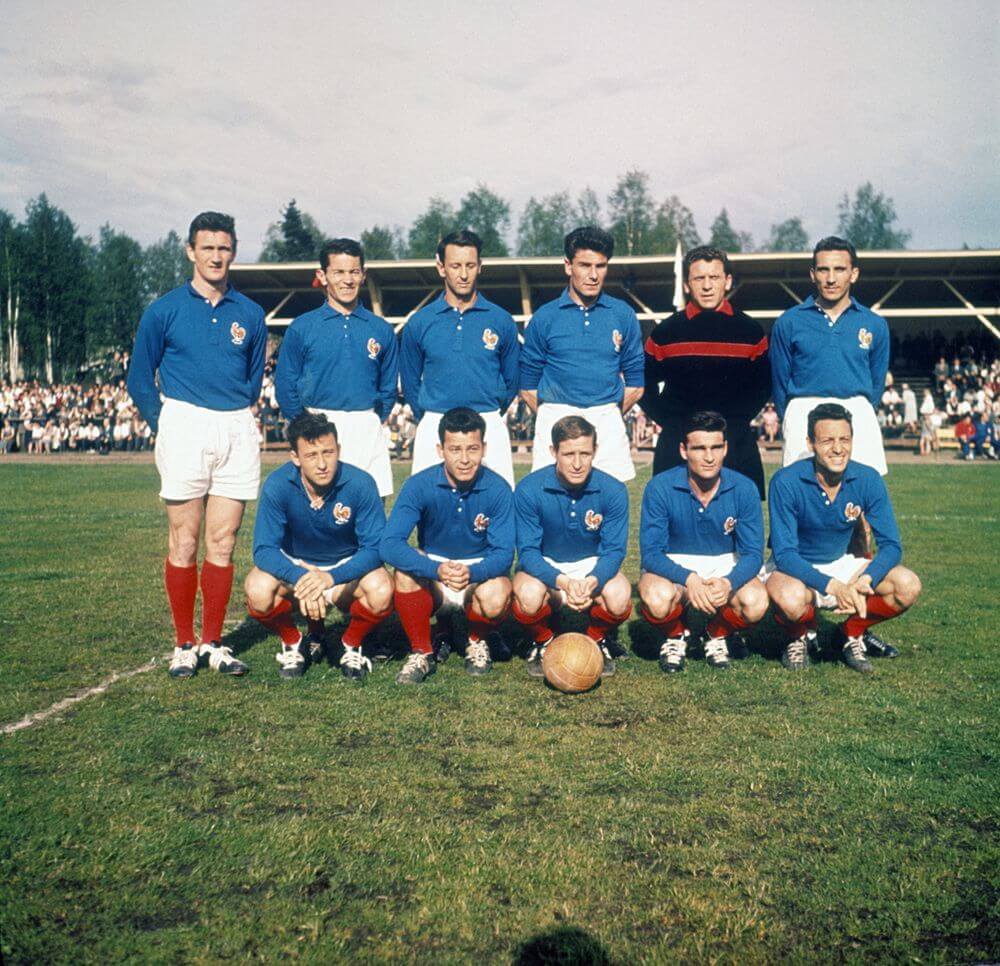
point(574, 569)
point(843, 569)
point(498, 452)
point(207, 451)
point(867, 448)
point(453, 599)
point(363, 443)
point(327, 594)
point(614, 452)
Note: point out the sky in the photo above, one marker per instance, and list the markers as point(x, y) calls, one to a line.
point(141, 115)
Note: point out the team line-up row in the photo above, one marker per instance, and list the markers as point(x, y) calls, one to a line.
point(196, 370)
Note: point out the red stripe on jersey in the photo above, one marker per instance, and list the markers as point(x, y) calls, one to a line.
point(721, 350)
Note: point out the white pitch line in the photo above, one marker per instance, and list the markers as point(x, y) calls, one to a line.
point(944, 517)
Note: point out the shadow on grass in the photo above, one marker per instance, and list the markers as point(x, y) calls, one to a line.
point(566, 946)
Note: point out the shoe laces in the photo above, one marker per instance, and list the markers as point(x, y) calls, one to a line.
point(416, 660)
point(185, 657)
point(796, 650)
point(855, 646)
point(477, 652)
point(673, 649)
point(538, 651)
point(289, 656)
point(715, 648)
point(220, 655)
point(355, 660)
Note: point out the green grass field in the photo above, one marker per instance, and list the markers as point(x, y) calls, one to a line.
point(755, 816)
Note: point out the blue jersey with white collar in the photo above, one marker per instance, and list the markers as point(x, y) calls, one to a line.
point(674, 521)
point(807, 528)
point(334, 361)
point(453, 523)
point(347, 522)
point(812, 356)
point(207, 355)
point(578, 355)
point(450, 358)
point(567, 525)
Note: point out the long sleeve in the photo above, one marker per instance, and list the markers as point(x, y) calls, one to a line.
point(880, 516)
point(411, 367)
point(268, 534)
point(146, 357)
point(257, 356)
point(529, 538)
point(288, 373)
point(614, 539)
point(394, 547)
point(879, 363)
point(532, 356)
point(749, 539)
point(388, 378)
point(654, 538)
point(780, 354)
point(510, 369)
point(500, 538)
point(652, 399)
point(633, 358)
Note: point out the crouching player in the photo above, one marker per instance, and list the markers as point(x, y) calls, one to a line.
point(814, 504)
point(463, 513)
point(572, 537)
point(701, 540)
point(316, 542)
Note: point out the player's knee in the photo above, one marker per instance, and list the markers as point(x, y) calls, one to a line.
point(183, 547)
point(907, 587)
point(530, 594)
point(376, 589)
point(752, 601)
point(404, 583)
point(493, 597)
point(260, 589)
point(790, 597)
point(617, 595)
point(658, 595)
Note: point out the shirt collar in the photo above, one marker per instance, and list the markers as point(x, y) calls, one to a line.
point(227, 296)
point(810, 303)
point(807, 471)
point(566, 302)
point(554, 485)
point(726, 482)
point(691, 310)
point(295, 479)
point(442, 305)
point(441, 480)
point(360, 312)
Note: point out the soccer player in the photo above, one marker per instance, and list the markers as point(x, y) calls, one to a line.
point(814, 504)
point(830, 349)
point(708, 357)
point(701, 540)
point(207, 343)
point(463, 513)
point(460, 350)
point(572, 537)
point(583, 356)
point(315, 543)
point(341, 360)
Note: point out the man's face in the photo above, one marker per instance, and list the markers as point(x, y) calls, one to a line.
point(587, 272)
point(343, 278)
point(574, 459)
point(832, 444)
point(462, 454)
point(708, 284)
point(833, 275)
point(211, 254)
point(704, 452)
point(317, 459)
point(460, 269)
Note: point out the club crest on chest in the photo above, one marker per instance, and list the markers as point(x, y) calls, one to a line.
point(237, 333)
point(480, 523)
point(374, 348)
point(592, 520)
point(341, 514)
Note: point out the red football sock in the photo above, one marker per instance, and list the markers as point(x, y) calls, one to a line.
point(316, 626)
point(363, 622)
point(216, 586)
point(672, 625)
point(479, 626)
point(182, 588)
point(280, 620)
point(879, 609)
point(725, 622)
point(537, 624)
point(601, 621)
point(415, 611)
point(796, 629)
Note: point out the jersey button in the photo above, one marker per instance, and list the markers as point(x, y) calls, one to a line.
point(572, 513)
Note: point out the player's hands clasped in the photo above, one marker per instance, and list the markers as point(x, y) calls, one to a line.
point(453, 575)
point(703, 594)
point(579, 591)
point(309, 590)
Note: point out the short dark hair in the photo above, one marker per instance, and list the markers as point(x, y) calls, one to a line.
point(212, 221)
point(340, 246)
point(706, 253)
point(827, 411)
point(461, 419)
point(572, 427)
point(834, 243)
point(466, 238)
point(589, 238)
point(310, 427)
point(705, 421)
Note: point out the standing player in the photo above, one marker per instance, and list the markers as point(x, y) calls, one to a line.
point(814, 504)
point(583, 356)
point(316, 541)
point(461, 350)
point(831, 349)
point(708, 357)
point(206, 342)
point(701, 538)
point(572, 537)
point(341, 360)
point(463, 514)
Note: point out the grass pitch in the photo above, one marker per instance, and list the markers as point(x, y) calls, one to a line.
point(753, 816)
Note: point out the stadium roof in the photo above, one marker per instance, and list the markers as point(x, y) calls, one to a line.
point(940, 289)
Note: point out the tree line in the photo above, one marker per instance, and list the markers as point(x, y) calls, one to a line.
point(641, 225)
point(68, 301)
